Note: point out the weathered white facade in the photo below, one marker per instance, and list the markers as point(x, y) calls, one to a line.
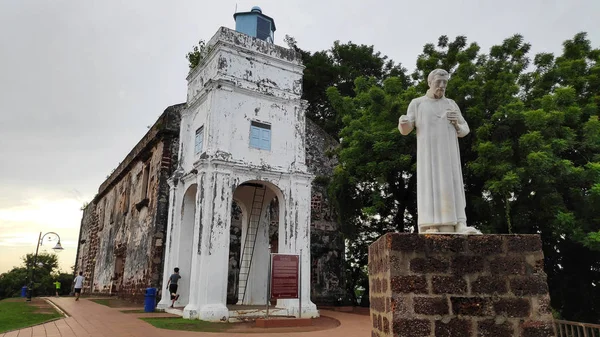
point(242, 83)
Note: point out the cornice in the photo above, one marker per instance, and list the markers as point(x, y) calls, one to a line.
point(240, 167)
point(282, 64)
point(225, 84)
point(231, 48)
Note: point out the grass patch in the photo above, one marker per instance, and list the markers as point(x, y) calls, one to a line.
point(105, 302)
point(186, 324)
point(140, 311)
point(18, 314)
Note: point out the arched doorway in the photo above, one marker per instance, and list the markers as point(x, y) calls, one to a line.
point(257, 200)
point(185, 249)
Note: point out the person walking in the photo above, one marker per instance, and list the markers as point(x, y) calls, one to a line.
point(78, 284)
point(57, 285)
point(172, 286)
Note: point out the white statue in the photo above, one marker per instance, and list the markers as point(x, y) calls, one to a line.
point(440, 189)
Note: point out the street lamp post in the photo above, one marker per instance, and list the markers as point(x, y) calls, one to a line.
point(56, 248)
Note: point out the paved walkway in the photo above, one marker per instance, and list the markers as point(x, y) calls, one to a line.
point(91, 319)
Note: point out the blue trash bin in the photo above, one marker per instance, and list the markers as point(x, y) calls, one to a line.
point(24, 291)
point(150, 300)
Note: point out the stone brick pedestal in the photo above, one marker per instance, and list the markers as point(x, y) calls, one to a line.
point(459, 285)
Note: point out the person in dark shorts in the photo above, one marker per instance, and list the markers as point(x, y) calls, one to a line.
point(172, 286)
point(77, 285)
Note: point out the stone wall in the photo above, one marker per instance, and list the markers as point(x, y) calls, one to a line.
point(327, 244)
point(457, 285)
point(88, 247)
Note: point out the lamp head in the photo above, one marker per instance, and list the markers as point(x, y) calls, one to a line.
point(58, 248)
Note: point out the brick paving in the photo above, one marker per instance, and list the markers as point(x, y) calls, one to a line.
point(87, 318)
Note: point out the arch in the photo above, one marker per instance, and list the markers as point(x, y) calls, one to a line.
point(274, 188)
point(253, 291)
point(185, 244)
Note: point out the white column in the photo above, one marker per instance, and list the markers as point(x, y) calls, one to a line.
point(215, 223)
point(185, 243)
point(295, 239)
point(165, 299)
point(191, 309)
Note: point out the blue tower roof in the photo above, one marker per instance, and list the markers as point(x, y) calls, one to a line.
point(255, 23)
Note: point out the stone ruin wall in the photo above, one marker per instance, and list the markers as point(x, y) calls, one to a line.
point(128, 237)
point(122, 231)
point(88, 246)
point(327, 244)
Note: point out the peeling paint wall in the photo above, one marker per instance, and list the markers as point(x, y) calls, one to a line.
point(241, 80)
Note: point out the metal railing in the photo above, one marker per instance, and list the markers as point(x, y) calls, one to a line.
point(576, 329)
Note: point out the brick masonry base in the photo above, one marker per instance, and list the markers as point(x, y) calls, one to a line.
point(459, 285)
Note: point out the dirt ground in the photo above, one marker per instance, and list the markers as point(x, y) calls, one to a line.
point(115, 302)
point(321, 323)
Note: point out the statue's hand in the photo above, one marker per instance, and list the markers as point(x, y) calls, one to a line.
point(452, 116)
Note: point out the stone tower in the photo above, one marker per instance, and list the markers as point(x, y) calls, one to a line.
point(242, 142)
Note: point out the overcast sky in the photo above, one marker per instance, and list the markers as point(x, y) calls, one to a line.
point(81, 80)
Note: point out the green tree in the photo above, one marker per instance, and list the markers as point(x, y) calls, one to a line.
point(540, 156)
point(564, 135)
point(339, 67)
point(197, 54)
point(47, 266)
point(374, 185)
point(44, 273)
point(12, 281)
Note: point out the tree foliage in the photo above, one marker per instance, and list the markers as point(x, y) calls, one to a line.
point(197, 54)
point(45, 273)
point(339, 67)
point(531, 163)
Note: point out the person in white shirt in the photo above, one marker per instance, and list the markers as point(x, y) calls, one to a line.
point(78, 281)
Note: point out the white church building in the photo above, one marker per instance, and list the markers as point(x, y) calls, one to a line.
point(242, 140)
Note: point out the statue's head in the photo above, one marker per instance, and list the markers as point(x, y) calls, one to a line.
point(437, 80)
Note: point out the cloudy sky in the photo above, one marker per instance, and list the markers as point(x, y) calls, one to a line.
point(80, 81)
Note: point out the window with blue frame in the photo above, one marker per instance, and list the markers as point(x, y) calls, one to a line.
point(199, 142)
point(260, 136)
